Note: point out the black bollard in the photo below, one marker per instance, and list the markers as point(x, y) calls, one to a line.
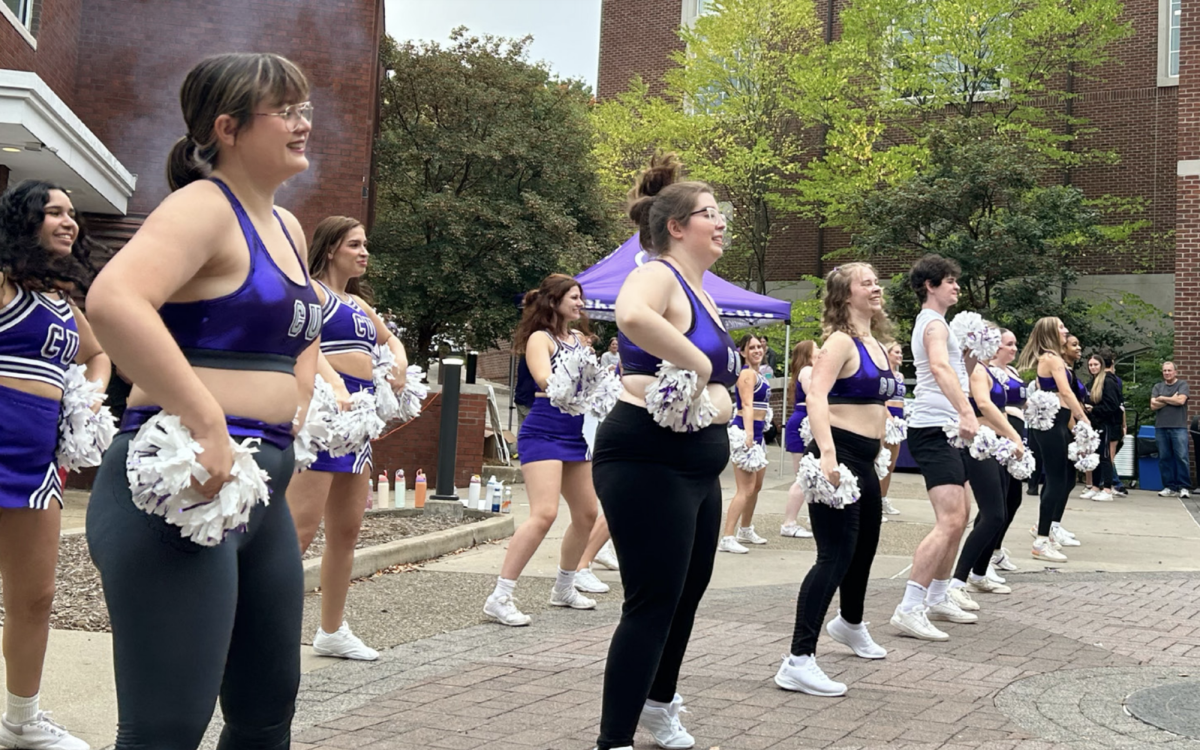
point(448, 433)
point(472, 366)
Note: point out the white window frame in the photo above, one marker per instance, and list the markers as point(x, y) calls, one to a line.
point(22, 25)
point(690, 10)
point(1165, 16)
point(980, 96)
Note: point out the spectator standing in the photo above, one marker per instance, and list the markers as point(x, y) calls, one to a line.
point(611, 358)
point(771, 357)
point(1168, 401)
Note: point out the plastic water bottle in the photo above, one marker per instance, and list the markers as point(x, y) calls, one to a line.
point(383, 495)
point(506, 503)
point(496, 498)
point(472, 492)
point(401, 489)
point(419, 487)
point(485, 501)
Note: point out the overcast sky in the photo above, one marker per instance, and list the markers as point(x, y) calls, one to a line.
point(566, 33)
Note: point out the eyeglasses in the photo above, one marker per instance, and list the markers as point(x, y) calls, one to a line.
point(292, 115)
point(712, 213)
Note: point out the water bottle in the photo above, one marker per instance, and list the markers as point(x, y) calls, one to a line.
point(473, 490)
point(401, 489)
point(485, 501)
point(506, 503)
point(383, 496)
point(419, 487)
point(496, 498)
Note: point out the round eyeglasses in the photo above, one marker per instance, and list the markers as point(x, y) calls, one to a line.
point(292, 115)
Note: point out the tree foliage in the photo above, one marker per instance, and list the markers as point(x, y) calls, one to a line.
point(484, 186)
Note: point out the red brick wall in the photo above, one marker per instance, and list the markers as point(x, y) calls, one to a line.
point(414, 445)
point(1187, 206)
point(57, 37)
point(636, 37)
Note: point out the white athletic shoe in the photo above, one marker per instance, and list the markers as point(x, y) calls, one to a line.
point(1043, 549)
point(986, 585)
point(39, 734)
point(888, 508)
point(1103, 496)
point(343, 644)
point(947, 611)
point(993, 576)
point(806, 677)
point(730, 544)
point(587, 582)
point(1167, 492)
point(570, 598)
point(1184, 492)
point(1064, 537)
point(746, 535)
point(915, 623)
point(1053, 537)
point(1088, 494)
point(795, 530)
point(960, 596)
point(607, 557)
point(858, 639)
point(503, 609)
point(1002, 561)
point(663, 724)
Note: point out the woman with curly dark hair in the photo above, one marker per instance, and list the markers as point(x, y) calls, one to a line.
point(43, 260)
point(553, 452)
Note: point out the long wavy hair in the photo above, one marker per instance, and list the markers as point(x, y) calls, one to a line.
point(1105, 359)
point(23, 260)
point(541, 310)
point(835, 303)
point(327, 238)
point(1045, 337)
point(802, 356)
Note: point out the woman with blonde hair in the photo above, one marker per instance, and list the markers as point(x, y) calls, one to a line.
point(895, 409)
point(752, 396)
point(803, 354)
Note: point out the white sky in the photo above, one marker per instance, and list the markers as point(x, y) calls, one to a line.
point(566, 33)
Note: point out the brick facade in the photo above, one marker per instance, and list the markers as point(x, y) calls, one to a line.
point(55, 59)
point(1187, 205)
point(414, 445)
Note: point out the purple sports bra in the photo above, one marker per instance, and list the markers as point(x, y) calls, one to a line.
point(997, 394)
point(346, 327)
point(264, 325)
point(868, 384)
point(762, 394)
point(38, 338)
point(707, 334)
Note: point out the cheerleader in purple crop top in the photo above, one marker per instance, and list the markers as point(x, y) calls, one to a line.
point(553, 452)
point(801, 369)
point(895, 409)
point(210, 312)
point(336, 489)
point(752, 402)
point(44, 254)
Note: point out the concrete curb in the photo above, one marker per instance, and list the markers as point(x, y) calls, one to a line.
point(416, 549)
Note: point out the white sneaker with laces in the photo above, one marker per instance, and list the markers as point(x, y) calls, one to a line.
point(801, 674)
point(947, 611)
point(1043, 549)
point(795, 530)
point(40, 734)
point(663, 724)
point(1166, 492)
point(746, 535)
point(992, 575)
point(915, 622)
point(730, 544)
point(960, 596)
point(607, 557)
point(1002, 561)
point(888, 508)
point(858, 639)
point(503, 609)
point(986, 585)
point(570, 598)
point(1088, 494)
point(1064, 537)
point(1103, 496)
point(587, 582)
point(343, 644)
point(1184, 492)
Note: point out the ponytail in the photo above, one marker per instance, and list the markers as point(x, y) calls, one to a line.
point(185, 163)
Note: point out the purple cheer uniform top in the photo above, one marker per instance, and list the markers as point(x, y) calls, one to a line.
point(262, 326)
point(548, 433)
point(346, 329)
point(762, 402)
point(792, 442)
point(868, 384)
point(38, 341)
point(901, 392)
point(997, 394)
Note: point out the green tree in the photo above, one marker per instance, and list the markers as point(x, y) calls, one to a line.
point(484, 187)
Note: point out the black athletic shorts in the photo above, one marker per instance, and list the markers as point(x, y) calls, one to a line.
point(938, 461)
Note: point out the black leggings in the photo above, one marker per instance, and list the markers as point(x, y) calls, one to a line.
point(989, 484)
point(192, 623)
point(661, 494)
point(846, 541)
point(1012, 499)
point(1102, 477)
point(1060, 473)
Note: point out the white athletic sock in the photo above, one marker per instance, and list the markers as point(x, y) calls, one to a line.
point(504, 587)
point(974, 577)
point(656, 704)
point(1055, 524)
point(957, 584)
point(914, 596)
point(565, 580)
point(937, 592)
point(850, 625)
point(798, 661)
point(21, 710)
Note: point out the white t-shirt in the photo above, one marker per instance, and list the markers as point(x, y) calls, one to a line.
point(930, 406)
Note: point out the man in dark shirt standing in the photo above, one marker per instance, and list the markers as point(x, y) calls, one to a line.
point(1168, 400)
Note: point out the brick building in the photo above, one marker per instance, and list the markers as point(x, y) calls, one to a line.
point(1132, 104)
point(89, 95)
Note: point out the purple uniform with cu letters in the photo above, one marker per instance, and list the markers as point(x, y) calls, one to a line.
point(549, 434)
point(762, 395)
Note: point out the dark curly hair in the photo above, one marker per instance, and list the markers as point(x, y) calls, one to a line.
point(23, 260)
point(541, 310)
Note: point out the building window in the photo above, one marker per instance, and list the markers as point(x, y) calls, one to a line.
point(23, 15)
point(22, 10)
point(689, 12)
point(948, 74)
point(1169, 13)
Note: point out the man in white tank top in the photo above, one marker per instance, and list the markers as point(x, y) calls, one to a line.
point(940, 399)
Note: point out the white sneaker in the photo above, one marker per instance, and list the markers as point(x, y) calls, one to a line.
point(1184, 492)
point(503, 609)
point(993, 576)
point(587, 582)
point(960, 596)
point(1103, 496)
point(343, 644)
point(806, 677)
point(858, 639)
point(746, 535)
point(1088, 494)
point(915, 622)
point(1166, 492)
point(1053, 536)
point(663, 724)
point(730, 544)
point(888, 508)
point(795, 530)
point(39, 734)
point(607, 557)
point(1002, 561)
point(947, 611)
point(570, 598)
point(1043, 549)
point(986, 585)
point(1064, 537)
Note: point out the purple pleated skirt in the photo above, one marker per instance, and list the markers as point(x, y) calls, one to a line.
point(759, 425)
point(791, 434)
point(359, 460)
point(28, 446)
point(548, 434)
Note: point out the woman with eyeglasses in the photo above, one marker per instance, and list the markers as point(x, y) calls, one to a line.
point(210, 311)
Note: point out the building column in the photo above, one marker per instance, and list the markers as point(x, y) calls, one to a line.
point(1187, 204)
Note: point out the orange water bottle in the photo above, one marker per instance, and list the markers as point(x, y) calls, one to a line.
point(419, 487)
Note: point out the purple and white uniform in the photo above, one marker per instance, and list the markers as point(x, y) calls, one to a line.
point(762, 402)
point(346, 328)
point(549, 434)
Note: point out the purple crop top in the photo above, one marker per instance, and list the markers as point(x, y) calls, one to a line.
point(38, 338)
point(264, 325)
point(868, 384)
point(346, 327)
point(801, 397)
point(707, 334)
point(996, 394)
point(1015, 391)
point(762, 394)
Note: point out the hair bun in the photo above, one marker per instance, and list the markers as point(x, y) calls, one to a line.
point(664, 170)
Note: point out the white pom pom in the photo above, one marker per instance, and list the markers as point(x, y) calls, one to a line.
point(161, 465)
point(1022, 469)
point(1040, 410)
point(1082, 451)
point(750, 459)
point(883, 463)
point(567, 388)
point(678, 401)
point(952, 436)
point(984, 444)
point(387, 406)
point(317, 431)
point(83, 434)
point(806, 432)
point(895, 431)
point(604, 393)
point(353, 428)
point(975, 336)
point(818, 489)
point(770, 415)
point(1088, 462)
point(413, 395)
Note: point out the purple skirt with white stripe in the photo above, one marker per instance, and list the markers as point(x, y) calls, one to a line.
point(361, 459)
point(28, 443)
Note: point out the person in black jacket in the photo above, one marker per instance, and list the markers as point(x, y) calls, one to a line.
point(1106, 413)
